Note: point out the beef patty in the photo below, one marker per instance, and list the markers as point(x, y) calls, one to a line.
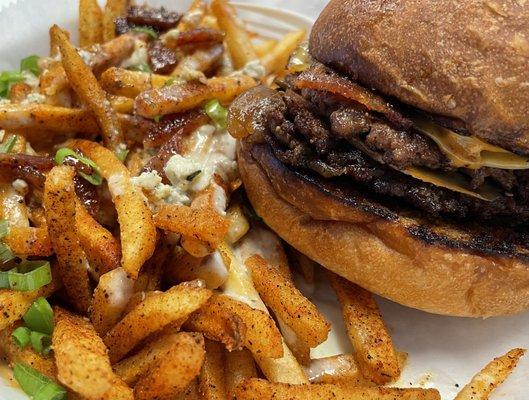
point(319, 132)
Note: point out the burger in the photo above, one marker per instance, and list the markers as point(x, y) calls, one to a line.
point(396, 151)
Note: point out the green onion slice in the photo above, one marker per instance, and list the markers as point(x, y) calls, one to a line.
point(146, 29)
point(40, 342)
point(122, 154)
point(36, 385)
point(94, 179)
point(21, 336)
point(193, 175)
point(39, 316)
point(6, 255)
point(30, 63)
point(7, 147)
point(27, 276)
point(217, 113)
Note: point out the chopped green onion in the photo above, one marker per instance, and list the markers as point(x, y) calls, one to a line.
point(122, 154)
point(8, 145)
point(140, 67)
point(36, 385)
point(6, 254)
point(146, 29)
point(39, 316)
point(157, 118)
point(21, 336)
point(217, 113)
point(30, 64)
point(28, 276)
point(8, 79)
point(169, 82)
point(4, 228)
point(193, 175)
point(40, 342)
point(94, 179)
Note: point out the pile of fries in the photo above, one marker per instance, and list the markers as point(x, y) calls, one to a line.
point(131, 265)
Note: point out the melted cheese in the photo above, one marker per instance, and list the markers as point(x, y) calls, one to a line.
point(468, 151)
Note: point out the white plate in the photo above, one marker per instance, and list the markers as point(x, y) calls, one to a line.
point(442, 351)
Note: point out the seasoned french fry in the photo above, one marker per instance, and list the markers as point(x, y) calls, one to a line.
point(276, 60)
point(264, 47)
point(191, 392)
point(29, 241)
point(202, 60)
point(239, 225)
point(183, 97)
point(491, 376)
point(153, 314)
point(138, 233)
point(90, 23)
point(173, 371)
point(13, 207)
point(85, 85)
point(237, 39)
point(122, 82)
point(341, 369)
point(239, 366)
point(132, 368)
point(193, 16)
point(288, 303)
point(54, 45)
point(299, 349)
point(113, 9)
point(185, 267)
point(82, 360)
point(101, 248)
point(371, 340)
point(251, 389)
point(59, 205)
point(15, 354)
point(262, 336)
point(239, 283)
point(122, 104)
point(217, 322)
point(14, 304)
point(150, 277)
point(212, 384)
point(111, 297)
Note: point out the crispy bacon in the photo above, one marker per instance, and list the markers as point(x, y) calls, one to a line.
point(28, 167)
point(157, 18)
point(194, 36)
point(319, 77)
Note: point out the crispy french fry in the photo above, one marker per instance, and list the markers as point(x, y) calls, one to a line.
point(237, 39)
point(217, 322)
point(299, 349)
point(185, 267)
point(491, 376)
point(239, 366)
point(14, 304)
point(54, 45)
point(101, 248)
point(212, 383)
point(122, 104)
point(59, 205)
point(173, 371)
point(264, 47)
point(288, 303)
point(13, 207)
point(138, 233)
point(239, 284)
point(239, 224)
point(191, 392)
point(340, 369)
point(153, 314)
point(262, 336)
point(113, 9)
point(196, 247)
point(276, 60)
point(82, 360)
point(183, 97)
point(122, 82)
point(29, 241)
point(90, 23)
point(251, 389)
point(85, 85)
point(15, 354)
point(150, 277)
point(111, 297)
point(193, 16)
point(132, 368)
point(371, 340)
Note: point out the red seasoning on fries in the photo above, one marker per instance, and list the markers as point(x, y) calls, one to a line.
point(132, 263)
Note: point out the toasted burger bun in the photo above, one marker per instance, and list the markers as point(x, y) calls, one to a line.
point(462, 59)
point(440, 269)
